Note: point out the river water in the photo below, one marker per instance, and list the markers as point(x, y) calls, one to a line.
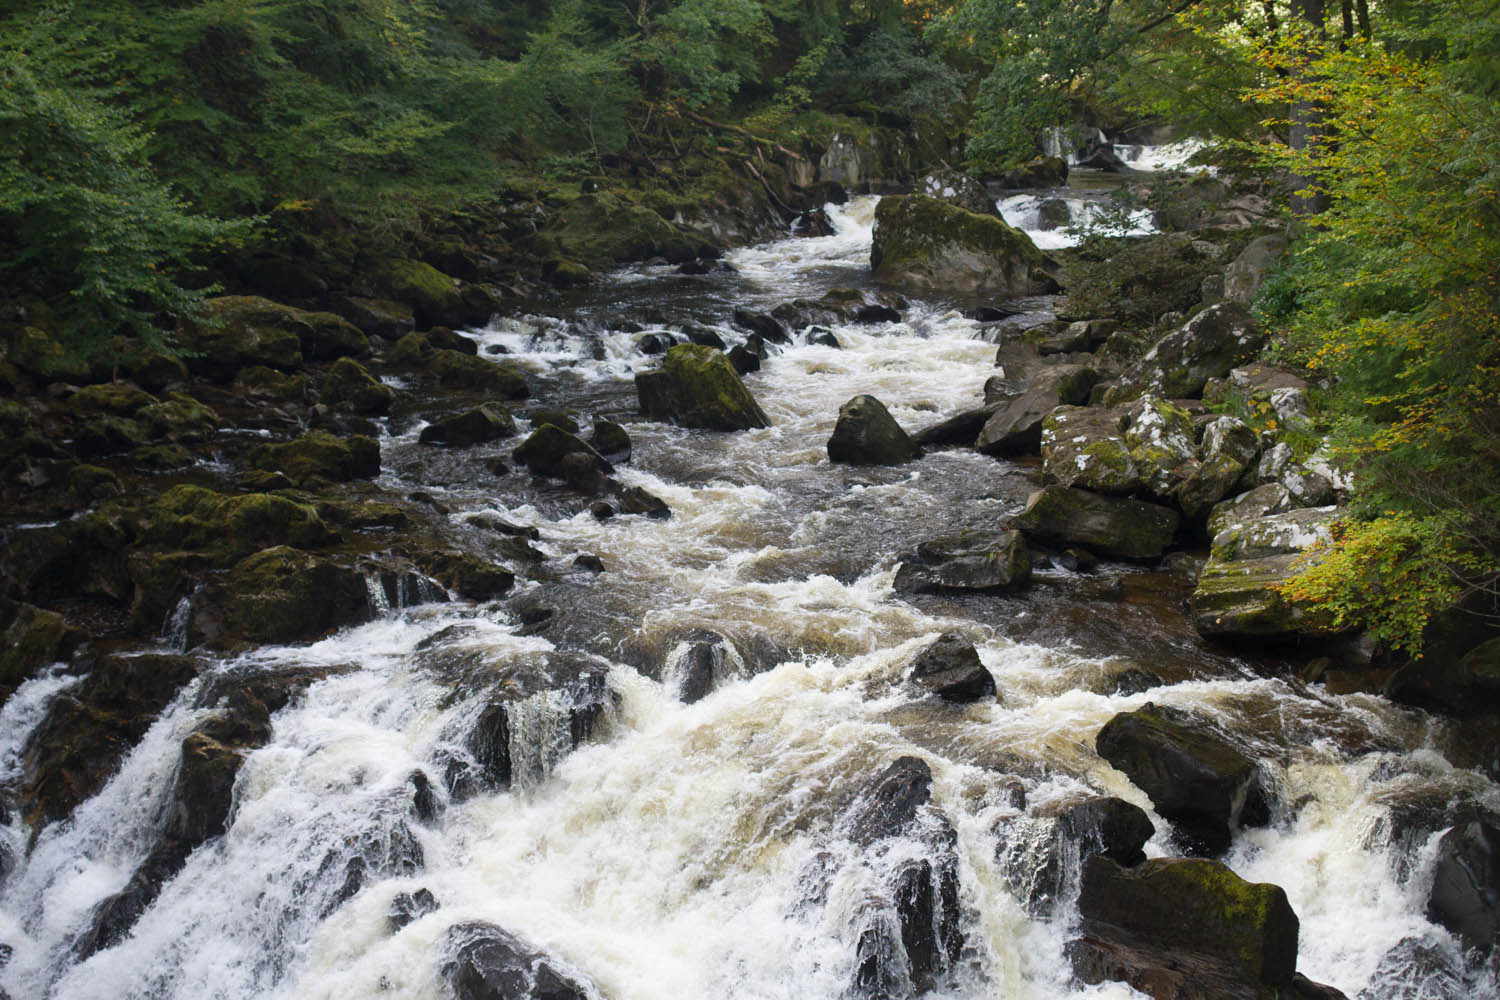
point(669, 856)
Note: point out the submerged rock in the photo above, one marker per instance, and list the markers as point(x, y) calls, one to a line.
point(867, 434)
point(698, 387)
point(1196, 779)
point(1042, 857)
point(930, 246)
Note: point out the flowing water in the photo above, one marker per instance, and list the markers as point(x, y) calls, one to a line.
point(701, 850)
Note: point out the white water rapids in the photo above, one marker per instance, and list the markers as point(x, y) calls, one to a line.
point(669, 857)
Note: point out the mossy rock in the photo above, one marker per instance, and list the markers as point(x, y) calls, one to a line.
point(433, 295)
point(1238, 598)
point(565, 273)
point(351, 386)
point(116, 398)
point(410, 351)
point(601, 229)
point(155, 371)
point(91, 483)
point(36, 351)
point(238, 331)
point(379, 317)
point(1186, 927)
point(462, 371)
point(105, 435)
point(1206, 347)
point(181, 418)
point(546, 448)
point(228, 527)
point(930, 246)
point(1109, 526)
point(443, 338)
point(319, 455)
point(698, 387)
point(467, 575)
point(475, 426)
point(162, 458)
point(281, 594)
point(360, 515)
point(31, 638)
point(267, 383)
point(331, 337)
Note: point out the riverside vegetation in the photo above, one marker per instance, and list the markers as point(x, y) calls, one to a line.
point(257, 265)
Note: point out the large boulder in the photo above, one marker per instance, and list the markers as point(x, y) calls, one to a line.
point(949, 667)
point(475, 426)
point(1042, 172)
point(553, 452)
point(1146, 448)
point(484, 962)
point(867, 434)
point(698, 387)
point(1465, 896)
point(1185, 929)
point(1248, 271)
point(433, 296)
point(1228, 449)
point(955, 188)
point(238, 331)
point(1205, 347)
point(930, 246)
point(974, 560)
point(1236, 593)
point(1109, 526)
point(351, 386)
point(279, 595)
point(1197, 780)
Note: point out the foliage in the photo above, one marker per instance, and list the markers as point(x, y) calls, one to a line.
point(1395, 295)
point(92, 224)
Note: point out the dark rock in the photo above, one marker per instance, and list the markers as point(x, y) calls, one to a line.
point(547, 450)
point(888, 806)
point(821, 336)
point(279, 595)
point(462, 371)
point(30, 639)
point(949, 667)
point(1015, 425)
point(1196, 779)
point(476, 426)
point(766, 326)
point(407, 907)
point(601, 511)
point(1185, 929)
point(586, 473)
point(976, 560)
point(703, 336)
point(484, 962)
point(872, 312)
point(350, 385)
point(1136, 681)
point(1077, 560)
point(1102, 157)
point(238, 331)
point(589, 562)
point(1465, 896)
point(1044, 865)
point(1466, 687)
point(1110, 526)
point(655, 343)
point(959, 429)
point(116, 914)
point(377, 317)
point(1181, 363)
point(1042, 172)
point(744, 360)
point(931, 246)
point(698, 387)
point(471, 577)
point(866, 434)
point(634, 500)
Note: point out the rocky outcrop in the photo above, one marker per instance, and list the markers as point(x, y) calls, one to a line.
point(1185, 929)
point(698, 387)
point(1236, 593)
point(1109, 526)
point(1145, 449)
point(1181, 363)
point(279, 595)
point(867, 434)
point(975, 560)
point(949, 667)
point(31, 638)
point(1197, 780)
point(930, 246)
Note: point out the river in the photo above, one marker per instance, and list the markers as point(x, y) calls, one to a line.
point(695, 850)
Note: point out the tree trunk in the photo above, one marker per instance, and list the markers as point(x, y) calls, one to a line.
point(1306, 116)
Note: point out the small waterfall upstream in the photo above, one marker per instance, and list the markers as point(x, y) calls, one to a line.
point(659, 846)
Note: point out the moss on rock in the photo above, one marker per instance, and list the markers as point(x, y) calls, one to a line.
point(319, 455)
point(433, 295)
point(697, 387)
point(350, 385)
point(462, 371)
point(228, 527)
point(238, 331)
point(929, 245)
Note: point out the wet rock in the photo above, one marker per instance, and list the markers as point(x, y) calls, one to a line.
point(703, 336)
point(873, 312)
point(230, 527)
point(483, 962)
point(279, 595)
point(960, 429)
point(1205, 347)
point(476, 426)
point(331, 336)
point(319, 455)
point(1236, 592)
point(1110, 526)
point(553, 452)
point(744, 360)
point(462, 371)
point(1042, 172)
point(821, 336)
point(764, 325)
point(949, 667)
point(433, 296)
point(350, 385)
point(655, 343)
point(1185, 929)
point(1197, 780)
point(89, 728)
point(1415, 970)
point(601, 511)
point(866, 434)
point(930, 246)
point(634, 500)
point(1465, 896)
point(589, 563)
point(976, 560)
point(408, 907)
point(1042, 857)
point(468, 575)
point(115, 915)
point(30, 639)
point(1463, 687)
point(888, 806)
point(698, 387)
point(611, 440)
